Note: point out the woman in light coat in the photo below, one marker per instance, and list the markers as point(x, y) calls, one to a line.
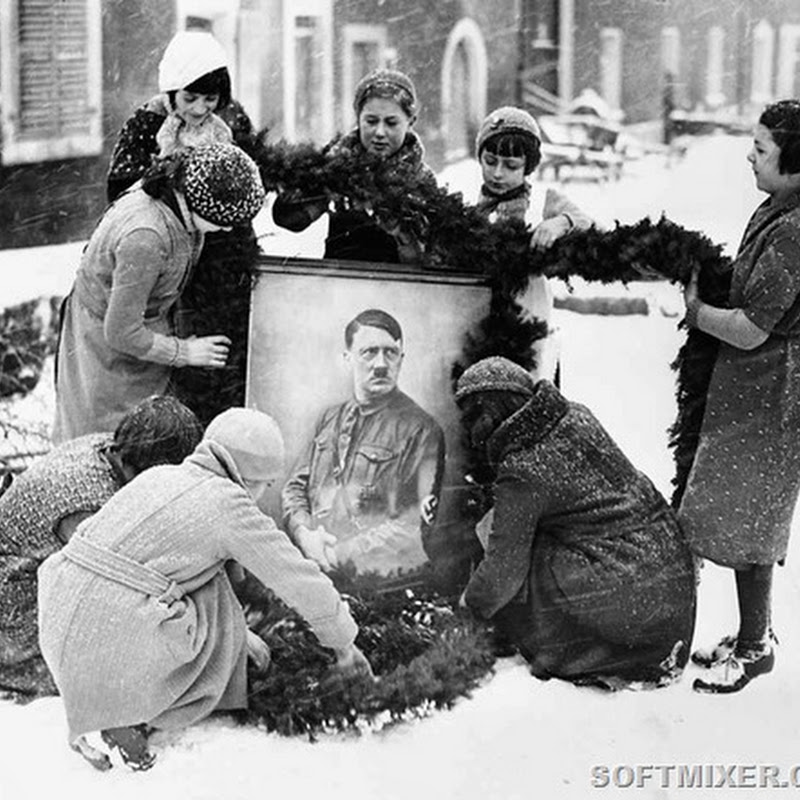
point(117, 343)
point(138, 620)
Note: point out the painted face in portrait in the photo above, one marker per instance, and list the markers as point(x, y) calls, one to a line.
point(375, 359)
point(383, 125)
point(194, 108)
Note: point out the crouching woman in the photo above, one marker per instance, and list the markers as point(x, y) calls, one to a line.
point(138, 621)
point(586, 570)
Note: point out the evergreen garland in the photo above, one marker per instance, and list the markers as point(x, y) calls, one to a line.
point(458, 237)
point(424, 654)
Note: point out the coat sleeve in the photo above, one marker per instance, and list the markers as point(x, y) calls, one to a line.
point(253, 540)
point(140, 258)
point(296, 214)
point(774, 283)
point(556, 203)
point(506, 565)
point(133, 152)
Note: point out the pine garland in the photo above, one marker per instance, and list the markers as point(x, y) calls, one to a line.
point(424, 653)
point(459, 237)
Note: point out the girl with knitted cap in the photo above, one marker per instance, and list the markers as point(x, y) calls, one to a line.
point(117, 344)
point(194, 106)
point(508, 150)
point(586, 569)
point(385, 106)
point(139, 622)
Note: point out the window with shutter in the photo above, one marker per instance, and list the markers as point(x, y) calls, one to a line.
point(51, 89)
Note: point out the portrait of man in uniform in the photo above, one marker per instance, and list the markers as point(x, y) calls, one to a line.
point(367, 482)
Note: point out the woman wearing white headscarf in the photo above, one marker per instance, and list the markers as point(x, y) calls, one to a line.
point(138, 621)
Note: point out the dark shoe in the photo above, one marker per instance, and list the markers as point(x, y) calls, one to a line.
point(736, 671)
point(722, 650)
point(131, 742)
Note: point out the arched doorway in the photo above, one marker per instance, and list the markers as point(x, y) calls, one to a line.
point(464, 80)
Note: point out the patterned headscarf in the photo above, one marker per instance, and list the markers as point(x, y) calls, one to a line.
point(222, 184)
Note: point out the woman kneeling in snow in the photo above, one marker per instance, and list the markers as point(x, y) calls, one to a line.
point(586, 569)
point(137, 617)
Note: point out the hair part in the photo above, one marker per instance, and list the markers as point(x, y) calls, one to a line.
point(515, 144)
point(159, 430)
point(372, 318)
point(217, 82)
point(783, 121)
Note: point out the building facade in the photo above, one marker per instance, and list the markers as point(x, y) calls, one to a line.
point(71, 71)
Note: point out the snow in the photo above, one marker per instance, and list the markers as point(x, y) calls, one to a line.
point(516, 737)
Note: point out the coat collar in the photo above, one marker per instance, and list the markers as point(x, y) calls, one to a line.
point(212, 456)
point(532, 423)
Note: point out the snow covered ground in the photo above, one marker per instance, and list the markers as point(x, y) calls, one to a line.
point(516, 738)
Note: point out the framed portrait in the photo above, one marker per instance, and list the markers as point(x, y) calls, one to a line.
point(297, 366)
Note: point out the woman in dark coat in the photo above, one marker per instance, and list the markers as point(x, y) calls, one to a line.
point(743, 487)
point(194, 106)
point(385, 105)
point(44, 505)
point(585, 569)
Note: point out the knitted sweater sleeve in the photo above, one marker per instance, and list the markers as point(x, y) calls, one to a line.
point(253, 540)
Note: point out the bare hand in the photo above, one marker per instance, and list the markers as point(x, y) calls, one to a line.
point(352, 663)
point(690, 293)
point(548, 231)
point(207, 351)
point(318, 545)
point(258, 651)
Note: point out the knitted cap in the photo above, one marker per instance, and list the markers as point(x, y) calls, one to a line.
point(189, 56)
point(507, 119)
point(494, 374)
point(252, 439)
point(222, 184)
point(386, 83)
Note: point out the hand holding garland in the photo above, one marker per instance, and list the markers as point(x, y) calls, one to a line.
point(730, 325)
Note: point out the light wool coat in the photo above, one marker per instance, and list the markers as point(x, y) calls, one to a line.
point(121, 656)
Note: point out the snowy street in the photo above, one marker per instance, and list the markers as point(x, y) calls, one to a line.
point(516, 738)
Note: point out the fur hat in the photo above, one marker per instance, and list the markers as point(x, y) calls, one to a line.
point(386, 83)
point(494, 374)
point(508, 119)
point(189, 56)
point(252, 439)
point(222, 184)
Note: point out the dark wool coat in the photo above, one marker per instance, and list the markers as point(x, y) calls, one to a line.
point(586, 567)
point(75, 478)
point(743, 487)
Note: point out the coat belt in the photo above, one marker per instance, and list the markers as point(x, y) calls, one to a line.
point(128, 572)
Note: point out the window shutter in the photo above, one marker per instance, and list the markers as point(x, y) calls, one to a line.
point(51, 80)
